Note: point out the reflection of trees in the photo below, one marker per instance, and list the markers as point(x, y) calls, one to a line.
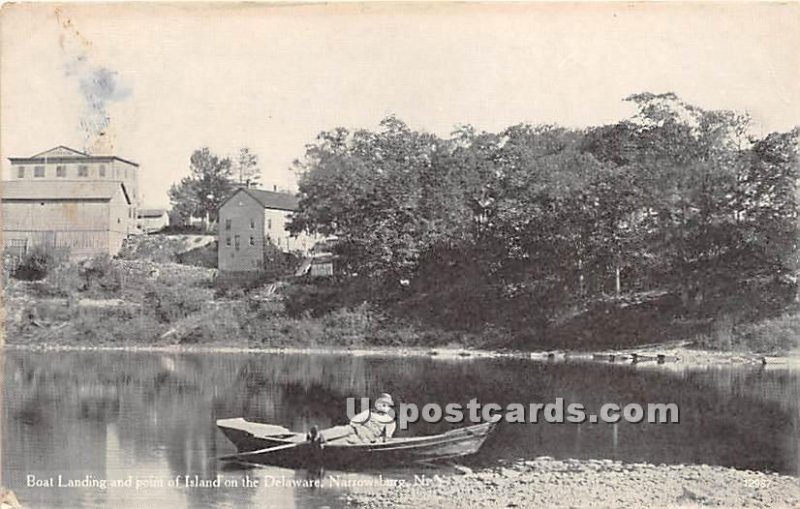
point(297, 391)
point(164, 406)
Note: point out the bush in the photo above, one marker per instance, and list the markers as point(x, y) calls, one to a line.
point(205, 256)
point(237, 284)
point(774, 335)
point(64, 280)
point(36, 264)
point(179, 229)
point(97, 277)
point(172, 303)
point(100, 275)
point(318, 296)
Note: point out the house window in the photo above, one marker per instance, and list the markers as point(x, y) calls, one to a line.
point(21, 172)
point(227, 224)
point(38, 171)
point(61, 171)
point(252, 223)
point(83, 171)
point(252, 240)
point(228, 241)
point(269, 224)
point(236, 242)
point(102, 170)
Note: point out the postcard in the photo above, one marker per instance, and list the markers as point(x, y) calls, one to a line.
point(426, 254)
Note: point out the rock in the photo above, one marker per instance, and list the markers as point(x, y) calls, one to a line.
point(691, 495)
point(462, 469)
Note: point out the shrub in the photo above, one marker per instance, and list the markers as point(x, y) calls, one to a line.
point(219, 325)
point(774, 335)
point(36, 264)
point(64, 280)
point(204, 256)
point(100, 275)
point(318, 296)
point(172, 303)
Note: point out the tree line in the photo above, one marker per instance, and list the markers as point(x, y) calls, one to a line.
point(538, 219)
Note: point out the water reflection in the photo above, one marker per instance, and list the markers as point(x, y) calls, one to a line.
point(151, 415)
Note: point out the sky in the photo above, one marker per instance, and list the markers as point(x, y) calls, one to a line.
point(162, 80)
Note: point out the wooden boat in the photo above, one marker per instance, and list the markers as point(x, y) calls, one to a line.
point(250, 436)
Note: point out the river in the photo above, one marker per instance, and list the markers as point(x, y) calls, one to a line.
point(136, 429)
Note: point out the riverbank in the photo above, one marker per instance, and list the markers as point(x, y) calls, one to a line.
point(546, 482)
point(167, 306)
point(676, 356)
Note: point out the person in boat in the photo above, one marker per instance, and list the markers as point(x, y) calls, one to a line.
point(369, 427)
point(376, 425)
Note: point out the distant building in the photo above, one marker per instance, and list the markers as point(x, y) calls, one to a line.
point(320, 260)
point(152, 220)
point(248, 220)
point(66, 199)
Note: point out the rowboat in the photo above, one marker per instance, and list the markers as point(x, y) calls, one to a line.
point(298, 452)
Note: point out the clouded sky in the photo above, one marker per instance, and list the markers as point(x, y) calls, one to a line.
point(164, 80)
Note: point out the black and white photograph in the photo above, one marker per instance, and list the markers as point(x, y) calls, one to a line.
point(400, 254)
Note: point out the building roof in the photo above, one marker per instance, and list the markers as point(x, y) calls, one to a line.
point(61, 151)
point(64, 154)
point(269, 199)
point(151, 212)
point(32, 190)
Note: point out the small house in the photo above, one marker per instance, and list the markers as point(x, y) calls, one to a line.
point(152, 220)
point(251, 220)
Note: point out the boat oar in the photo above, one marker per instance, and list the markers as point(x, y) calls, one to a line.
point(260, 451)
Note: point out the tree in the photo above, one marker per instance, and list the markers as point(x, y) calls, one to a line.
point(184, 198)
point(523, 225)
point(208, 185)
point(247, 167)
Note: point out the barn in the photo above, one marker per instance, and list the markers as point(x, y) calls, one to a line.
point(81, 219)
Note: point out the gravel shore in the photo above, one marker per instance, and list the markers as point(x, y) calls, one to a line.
point(548, 483)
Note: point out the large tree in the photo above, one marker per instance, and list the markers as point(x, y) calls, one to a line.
point(208, 185)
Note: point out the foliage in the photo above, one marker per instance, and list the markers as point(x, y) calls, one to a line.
point(203, 256)
point(100, 275)
point(775, 335)
point(170, 303)
point(526, 225)
point(208, 185)
point(36, 264)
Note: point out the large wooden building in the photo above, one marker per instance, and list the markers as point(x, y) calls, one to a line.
point(248, 220)
point(69, 201)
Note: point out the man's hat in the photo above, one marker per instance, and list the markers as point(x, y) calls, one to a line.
point(386, 398)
